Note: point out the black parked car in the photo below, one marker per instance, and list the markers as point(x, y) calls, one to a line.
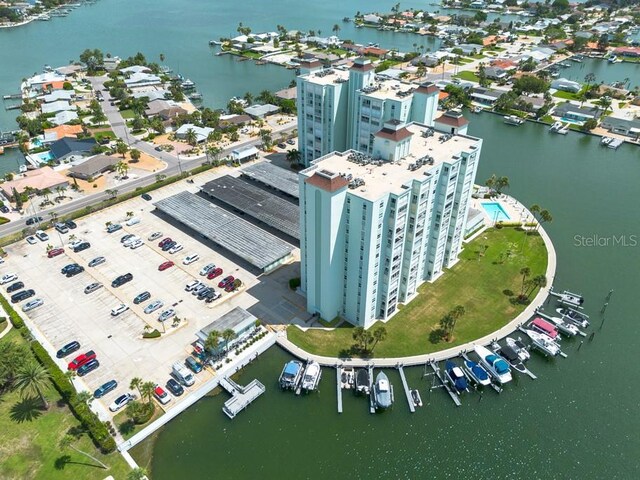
point(168, 246)
point(33, 220)
point(4, 209)
point(70, 224)
point(68, 268)
point(146, 196)
point(174, 387)
point(68, 349)
point(121, 280)
point(81, 246)
point(75, 271)
point(143, 297)
point(88, 367)
point(14, 287)
point(23, 295)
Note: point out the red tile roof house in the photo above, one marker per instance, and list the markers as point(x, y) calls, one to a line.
point(627, 51)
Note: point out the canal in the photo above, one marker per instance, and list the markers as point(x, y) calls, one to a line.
point(578, 420)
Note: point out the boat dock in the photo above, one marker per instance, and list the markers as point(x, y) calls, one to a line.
point(615, 143)
point(454, 396)
point(548, 317)
point(12, 96)
point(497, 388)
point(407, 392)
point(339, 388)
point(372, 400)
point(241, 396)
point(533, 345)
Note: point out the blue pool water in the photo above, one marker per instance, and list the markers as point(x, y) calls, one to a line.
point(45, 157)
point(495, 211)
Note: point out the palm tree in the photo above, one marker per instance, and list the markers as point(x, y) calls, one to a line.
point(379, 335)
point(137, 474)
point(60, 189)
point(491, 181)
point(525, 272)
point(122, 148)
point(84, 396)
point(248, 97)
point(135, 155)
point(122, 168)
point(136, 383)
point(212, 341)
point(293, 156)
point(146, 391)
point(605, 103)
point(545, 217)
point(33, 378)
point(129, 215)
point(67, 441)
point(45, 193)
point(227, 336)
point(112, 192)
point(191, 137)
point(447, 323)
point(336, 29)
point(161, 57)
point(539, 281)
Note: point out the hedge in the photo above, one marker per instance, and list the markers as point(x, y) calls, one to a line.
point(89, 420)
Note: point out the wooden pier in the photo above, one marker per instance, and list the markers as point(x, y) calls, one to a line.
point(454, 396)
point(407, 392)
point(339, 388)
point(241, 396)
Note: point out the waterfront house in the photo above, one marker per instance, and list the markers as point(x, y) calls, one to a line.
point(566, 85)
point(165, 109)
point(536, 102)
point(39, 179)
point(68, 149)
point(201, 132)
point(485, 96)
point(469, 48)
point(64, 117)
point(39, 81)
point(61, 131)
point(135, 69)
point(228, 120)
point(93, 167)
point(111, 63)
point(627, 51)
point(138, 80)
point(151, 95)
point(57, 95)
point(575, 114)
point(287, 93)
point(57, 106)
point(372, 18)
point(496, 73)
point(261, 111)
point(622, 126)
point(239, 320)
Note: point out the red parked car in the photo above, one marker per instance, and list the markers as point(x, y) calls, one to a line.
point(164, 241)
point(80, 360)
point(230, 287)
point(165, 265)
point(216, 272)
point(54, 252)
point(226, 281)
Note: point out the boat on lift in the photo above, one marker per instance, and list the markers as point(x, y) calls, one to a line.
point(477, 373)
point(513, 120)
point(546, 328)
point(605, 141)
point(290, 375)
point(382, 392)
point(363, 381)
point(519, 347)
point(347, 377)
point(577, 318)
point(496, 366)
point(543, 342)
point(562, 325)
point(415, 396)
point(456, 377)
point(512, 357)
point(311, 376)
point(568, 298)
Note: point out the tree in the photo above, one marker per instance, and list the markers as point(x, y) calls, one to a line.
point(12, 359)
point(129, 215)
point(336, 29)
point(589, 78)
point(267, 141)
point(605, 103)
point(32, 378)
point(135, 155)
point(491, 181)
point(146, 391)
point(379, 335)
point(589, 125)
point(122, 148)
point(17, 199)
point(228, 335)
point(136, 383)
point(212, 341)
point(67, 442)
point(137, 474)
point(122, 168)
point(501, 184)
point(45, 193)
point(537, 282)
point(112, 192)
point(191, 137)
point(84, 396)
point(525, 272)
point(545, 217)
point(530, 84)
point(60, 190)
point(293, 156)
point(363, 338)
point(447, 323)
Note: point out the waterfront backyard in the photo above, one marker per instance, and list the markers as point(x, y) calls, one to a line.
point(489, 265)
point(31, 438)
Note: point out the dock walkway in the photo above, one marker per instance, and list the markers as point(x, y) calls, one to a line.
point(241, 396)
point(407, 392)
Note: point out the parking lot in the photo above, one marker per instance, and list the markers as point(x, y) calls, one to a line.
point(70, 314)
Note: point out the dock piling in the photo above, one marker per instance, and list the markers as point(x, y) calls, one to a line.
point(339, 389)
point(407, 392)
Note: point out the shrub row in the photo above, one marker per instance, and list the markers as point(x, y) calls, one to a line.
point(89, 420)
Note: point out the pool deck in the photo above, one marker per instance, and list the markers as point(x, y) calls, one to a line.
point(517, 212)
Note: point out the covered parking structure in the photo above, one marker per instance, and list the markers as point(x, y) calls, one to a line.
point(243, 239)
point(278, 178)
point(260, 204)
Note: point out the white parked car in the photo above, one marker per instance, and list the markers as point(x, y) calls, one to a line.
point(43, 237)
point(136, 244)
point(132, 221)
point(166, 315)
point(190, 259)
point(120, 402)
point(9, 277)
point(207, 268)
point(153, 306)
point(191, 285)
point(155, 236)
point(119, 309)
point(75, 243)
point(130, 241)
point(31, 304)
point(31, 240)
point(176, 248)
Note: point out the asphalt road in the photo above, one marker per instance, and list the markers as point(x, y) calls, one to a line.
point(174, 165)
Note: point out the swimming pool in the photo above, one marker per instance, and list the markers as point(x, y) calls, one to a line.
point(45, 157)
point(495, 211)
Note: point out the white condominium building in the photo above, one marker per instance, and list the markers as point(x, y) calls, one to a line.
point(340, 110)
point(376, 225)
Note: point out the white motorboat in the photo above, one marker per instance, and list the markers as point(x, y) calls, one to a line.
point(456, 377)
point(383, 391)
point(567, 298)
point(477, 373)
point(311, 376)
point(290, 375)
point(347, 377)
point(543, 343)
point(513, 120)
point(605, 141)
point(520, 348)
point(577, 318)
point(564, 326)
point(496, 366)
point(555, 127)
point(510, 355)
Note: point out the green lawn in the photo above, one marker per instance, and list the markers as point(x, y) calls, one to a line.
point(475, 282)
point(127, 428)
point(127, 114)
point(565, 95)
point(30, 438)
point(106, 134)
point(468, 76)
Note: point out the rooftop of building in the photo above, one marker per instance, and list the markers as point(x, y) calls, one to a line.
point(328, 76)
point(381, 177)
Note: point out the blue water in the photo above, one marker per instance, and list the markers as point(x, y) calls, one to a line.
point(45, 156)
point(495, 211)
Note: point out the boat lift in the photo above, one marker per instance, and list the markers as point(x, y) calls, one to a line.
point(549, 317)
point(339, 388)
point(454, 396)
point(533, 344)
point(407, 392)
point(493, 385)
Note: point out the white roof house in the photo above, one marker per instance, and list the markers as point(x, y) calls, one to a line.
point(64, 117)
point(201, 132)
point(59, 95)
point(135, 69)
point(371, 18)
point(142, 80)
point(57, 106)
point(566, 85)
point(43, 78)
